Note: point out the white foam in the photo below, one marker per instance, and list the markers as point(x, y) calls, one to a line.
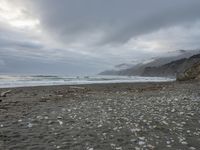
point(24, 81)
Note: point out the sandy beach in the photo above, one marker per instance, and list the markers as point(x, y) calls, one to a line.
point(129, 116)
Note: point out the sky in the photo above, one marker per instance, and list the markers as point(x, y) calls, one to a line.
point(75, 37)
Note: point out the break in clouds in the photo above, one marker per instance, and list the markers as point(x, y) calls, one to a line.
point(88, 36)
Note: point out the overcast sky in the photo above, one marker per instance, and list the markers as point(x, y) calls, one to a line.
point(89, 36)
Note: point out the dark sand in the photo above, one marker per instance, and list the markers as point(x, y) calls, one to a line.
point(133, 116)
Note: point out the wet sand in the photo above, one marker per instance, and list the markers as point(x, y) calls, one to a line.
point(137, 116)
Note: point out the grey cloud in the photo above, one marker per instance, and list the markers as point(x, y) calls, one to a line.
point(88, 36)
point(119, 20)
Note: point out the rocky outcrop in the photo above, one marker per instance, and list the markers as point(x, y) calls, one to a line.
point(192, 73)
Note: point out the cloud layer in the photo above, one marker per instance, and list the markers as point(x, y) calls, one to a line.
point(88, 36)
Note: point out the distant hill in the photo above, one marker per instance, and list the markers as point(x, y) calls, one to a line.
point(163, 66)
point(167, 70)
point(172, 69)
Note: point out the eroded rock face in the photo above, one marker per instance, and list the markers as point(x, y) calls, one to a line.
point(192, 73)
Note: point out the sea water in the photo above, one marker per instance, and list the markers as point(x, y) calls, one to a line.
point(42, 80)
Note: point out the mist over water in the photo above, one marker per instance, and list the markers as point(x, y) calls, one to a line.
point(41, 80)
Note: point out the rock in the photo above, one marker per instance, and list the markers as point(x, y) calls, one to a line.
point(150, 146)
point(184, 143)
point(43, 99)
point(192, 73)
point(192, 148)
point(3, 94)
point(141, 142)
point(30, 125)
point(60, 122)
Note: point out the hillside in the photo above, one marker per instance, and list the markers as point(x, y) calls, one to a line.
point(168, 66)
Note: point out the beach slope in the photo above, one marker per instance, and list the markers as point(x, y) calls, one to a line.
point(101, 117)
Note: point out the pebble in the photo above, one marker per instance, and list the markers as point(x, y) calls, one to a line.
point(60, 122)
point(30, 125)
point(137, 148)
point(181, 113)
point(173, 110)
point(39, 117)
point(135, 130)
point(192, 148)
point(184, 143)
point(112, 145)
point(115, 128)
point(58, 147)
point(150, 146)
point(99, 126)
point(169, 146)
point(141, 138)
point(141, 142)
point(164, 122)
point(63, 109)
point(176, 99)
point(59, 117)
point(133, 140)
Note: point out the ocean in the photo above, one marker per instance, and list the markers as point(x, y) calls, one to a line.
point(42, 80)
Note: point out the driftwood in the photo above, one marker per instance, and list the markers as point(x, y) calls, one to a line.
point(3, 94)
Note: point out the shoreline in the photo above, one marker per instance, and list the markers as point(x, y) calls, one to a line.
point(120, 116)
point(92, 84)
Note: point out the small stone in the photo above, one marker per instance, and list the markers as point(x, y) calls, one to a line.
point(59, 117)
point(137, 148)
point(50, 122)
point(99, 126)
point(63, 109)
point(164, 122)
point(30, 125)
point(115, 128)
point(39, 117)
point(58, 147)
point(135, 130)
point(141, 142)
point(60, 122)
point(192, 148)
point(150, 146)
point(184, 143)
point(43, 99)
point(112, 145)
point(169, 146)
point(142, 138)
point(173, 110)
point(133, 140)
point(1, 125)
